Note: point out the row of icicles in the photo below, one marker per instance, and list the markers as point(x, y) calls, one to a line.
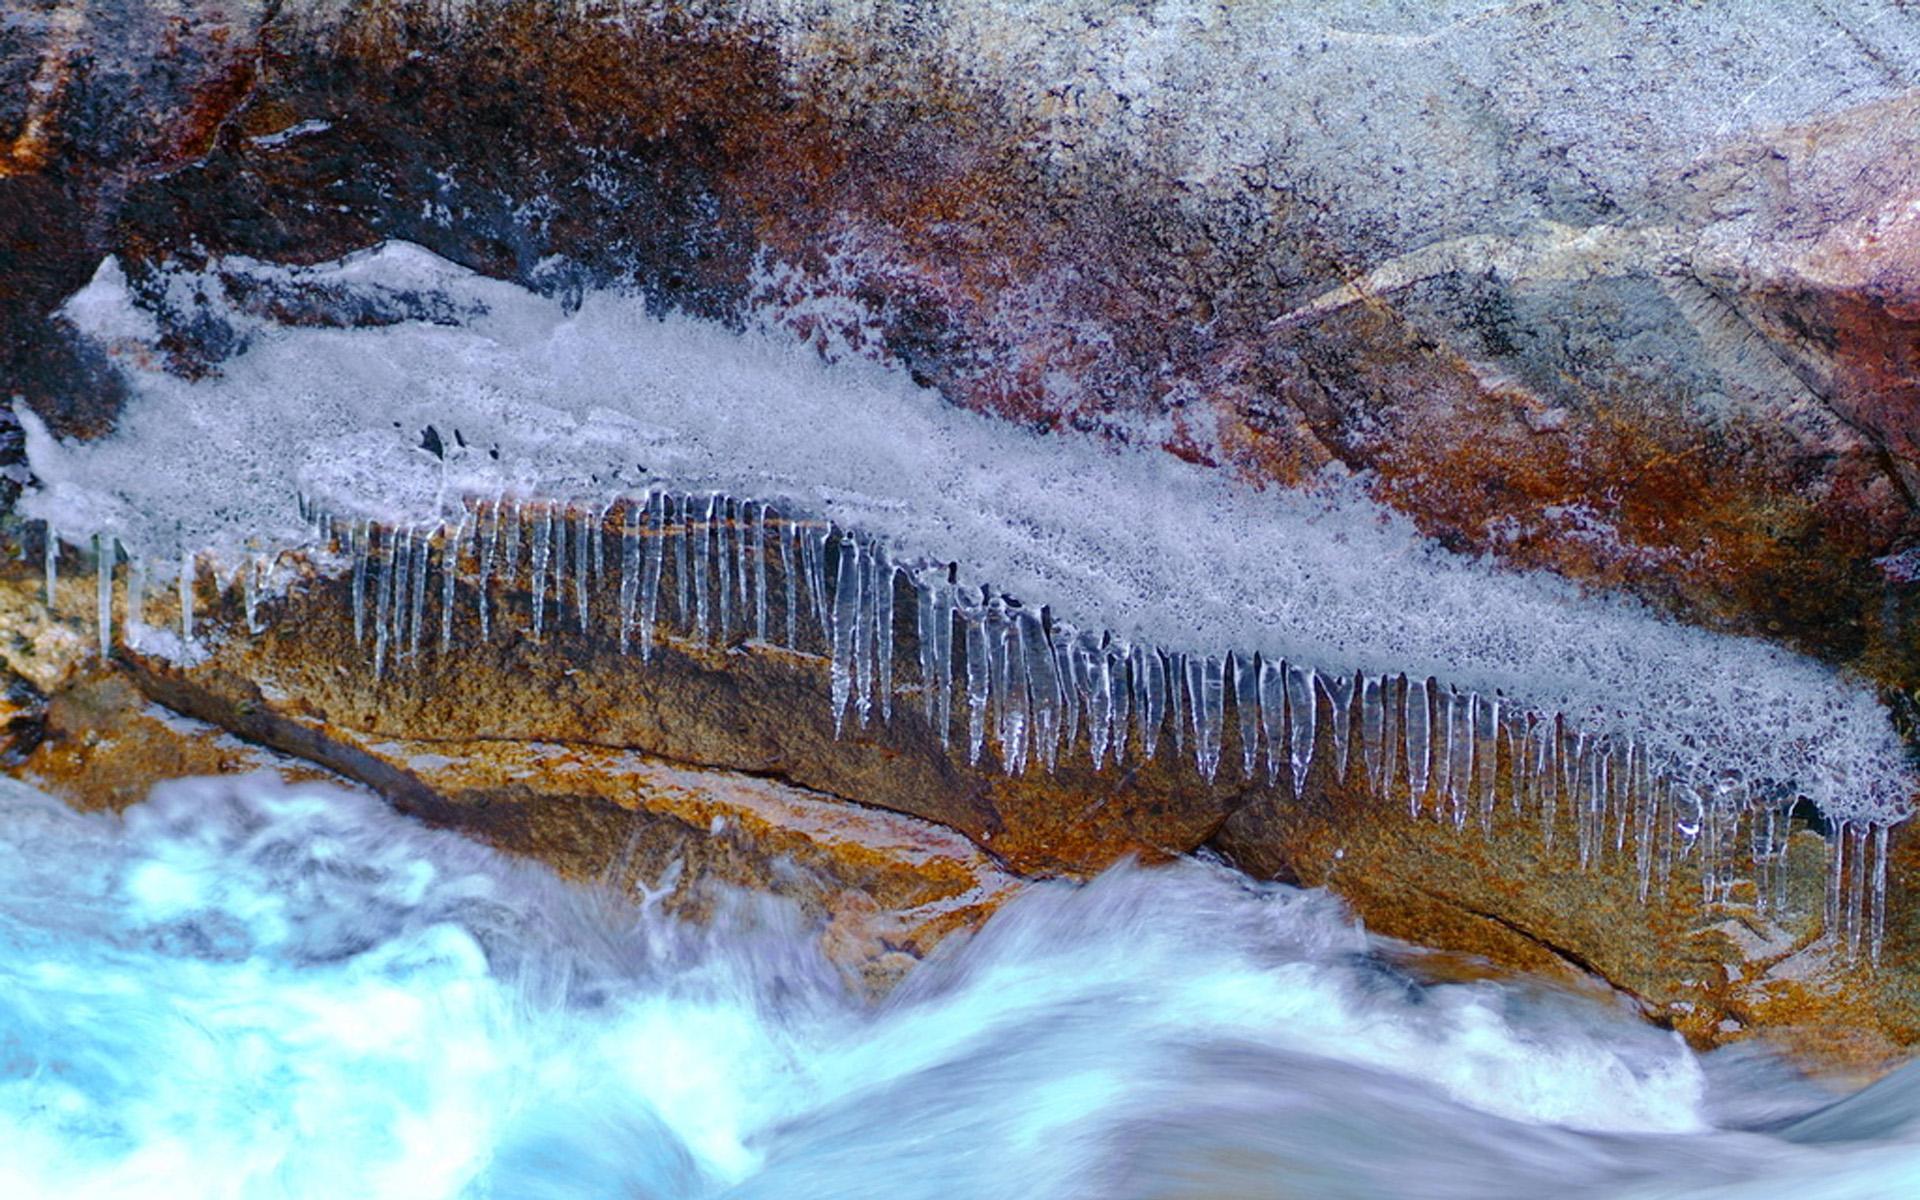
point(1035, 688)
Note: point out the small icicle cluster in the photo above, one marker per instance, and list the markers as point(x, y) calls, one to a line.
point(716, 569)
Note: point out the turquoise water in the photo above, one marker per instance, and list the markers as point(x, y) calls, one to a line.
point(243, 988)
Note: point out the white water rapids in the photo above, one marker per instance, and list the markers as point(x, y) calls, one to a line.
point(245, 988)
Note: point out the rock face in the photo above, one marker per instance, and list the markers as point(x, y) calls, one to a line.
point(1609, 293)
point(882, 887)
point(1604, 293)
point(566, 749)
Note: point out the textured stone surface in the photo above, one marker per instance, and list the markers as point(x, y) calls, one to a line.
point(567, 750)
point(1606, 292)
point(1615, 292)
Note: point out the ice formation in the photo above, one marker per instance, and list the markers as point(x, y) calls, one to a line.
point(639, 478)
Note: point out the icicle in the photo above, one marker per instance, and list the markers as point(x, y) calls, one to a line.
point(653, 562)
point(743, 582)
point(596, 531)
point(250, 593)
point(846, 626)
point(721, 537)
point(1339, 689)
point(788, 537)
point(1856, 889)
point(1878, 914)
point(813, 548)
point(1065, 636)
point(360, 535)
point(1836, 878)
point(449, 579)
point(1418, 723)
point(1373, 733)
point(1150, 698)
point(1176, 701)
point(1646, 816)
point(585, 537)
point(943, 657)
point(1090, 671)
point(136, 598)
point(485, 579)
point(558, 560)
point(924, 597)
point(864, 667)
point(542, 543)
point(1302, 722)
point(1043, 686)
point(103, 555)
point(186, 596)
point(1009, 684)
point(682, 560)
point(419, 593)
point(1546, 774)
point(402, 567)
point(383, 599)
point(979, 679)
point(53, 567)
point(1207, 679)
point(1459, 776)
point(510, 575)
point(884, 584)
point(1119, 693)
point(1246, 706)
point(1273, 716)
point(629, 574)
point(758, 549)
point(1487, 757)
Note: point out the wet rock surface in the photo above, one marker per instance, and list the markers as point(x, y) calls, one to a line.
point(1606, 293)
point(614, 769)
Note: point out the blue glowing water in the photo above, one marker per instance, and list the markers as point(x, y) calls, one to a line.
point(243, 988)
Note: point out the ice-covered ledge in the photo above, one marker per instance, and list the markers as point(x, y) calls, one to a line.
point(1062, 602)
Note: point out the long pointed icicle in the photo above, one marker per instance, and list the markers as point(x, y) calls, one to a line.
point(360, 535)
point(1339, 689)
point(757, 550)
point(1246, 707)
point(884, 583)
point(484, 571)
point(52, 556)
point(1273, 716)
point(1118, 656)
point(383, 598)
point(720, 534)
point(1373, 733)
point(653, 557)
point(682, 564)
point(863, 643)
point(1043, 687)
point(450, 578)
point(542, 543)
point(979, 679)
point(1207, 677)
point(787, 536)
point(846, 626)
point(585, 537)
point(103, 556)
point(1302, 720)
point(420, 547)
point(629, 572)
point(1419, 732)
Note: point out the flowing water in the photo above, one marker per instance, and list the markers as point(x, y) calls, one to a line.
point(247, 988)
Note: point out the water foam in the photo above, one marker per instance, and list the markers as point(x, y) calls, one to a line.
point(249, 988)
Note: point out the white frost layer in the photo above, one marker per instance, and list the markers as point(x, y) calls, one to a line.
point(607, 400)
